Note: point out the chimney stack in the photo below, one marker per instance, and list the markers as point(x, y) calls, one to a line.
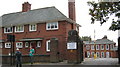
point(26, 7)
point(71, 9)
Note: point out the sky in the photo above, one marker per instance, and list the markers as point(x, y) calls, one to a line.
point(82, 15)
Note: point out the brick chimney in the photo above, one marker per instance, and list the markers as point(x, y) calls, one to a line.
point(26, 7)
point(71, 9)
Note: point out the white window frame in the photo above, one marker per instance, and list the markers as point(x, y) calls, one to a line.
point(112, 46)
point(50, 25)
point(101, 47)
point(88, 54)
point(26, 44)
point(19, 44)
point(107, 45)
point(7, 45)
point(92, 54)
point(92, 47)
point(22, 27)
point(48, 45)
point(38, 43)
point(31, 27)
point(1, 45)
point(97, 54)
point(102, 53)
point(87, 47)
point(97, 47)
point(6, 31)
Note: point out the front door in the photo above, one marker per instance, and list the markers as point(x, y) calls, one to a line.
point(107, 54)
point(33, 45)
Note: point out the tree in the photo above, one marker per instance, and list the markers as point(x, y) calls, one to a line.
point(86, 38)
point(101, 11)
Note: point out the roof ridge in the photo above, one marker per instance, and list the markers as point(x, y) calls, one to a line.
point(28, 11)
point(42, 8)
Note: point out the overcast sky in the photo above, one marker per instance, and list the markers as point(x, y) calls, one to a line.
point(82, 15)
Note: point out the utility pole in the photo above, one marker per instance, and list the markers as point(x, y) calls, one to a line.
point(119, 36)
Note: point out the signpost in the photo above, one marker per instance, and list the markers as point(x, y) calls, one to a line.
point(74, 47)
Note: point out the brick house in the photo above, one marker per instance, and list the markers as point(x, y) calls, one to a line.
point(35, 28)
point(104, 48)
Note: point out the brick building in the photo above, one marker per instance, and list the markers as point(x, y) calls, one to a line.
point(104, 48)
point(35, 28)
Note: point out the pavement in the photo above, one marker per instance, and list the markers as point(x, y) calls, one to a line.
point(88, 62)
point(100, 61)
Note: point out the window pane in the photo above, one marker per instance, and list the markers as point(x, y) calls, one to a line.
point(32, 27)
point(55, 25)
point(48, 45)
point(38, 44)
point(52, 26)
point(7, 45)
point(92, 54)
point(26, 44)
point(19, 45)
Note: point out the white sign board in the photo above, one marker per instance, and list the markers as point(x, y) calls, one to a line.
point(72, 45)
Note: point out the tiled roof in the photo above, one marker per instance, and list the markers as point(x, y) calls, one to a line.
point(42, 15)
point(100, 41)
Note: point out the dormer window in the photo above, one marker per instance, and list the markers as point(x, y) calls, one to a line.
point(19, 28)
point(32, 27)
point(52, 26)
point(8, 30)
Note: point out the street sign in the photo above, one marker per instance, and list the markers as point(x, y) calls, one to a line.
point(72, 45)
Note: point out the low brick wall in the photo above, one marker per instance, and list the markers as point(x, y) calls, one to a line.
point(26, 59)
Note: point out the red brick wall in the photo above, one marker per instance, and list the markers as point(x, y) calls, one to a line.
point(41, 32)
point(112, 54)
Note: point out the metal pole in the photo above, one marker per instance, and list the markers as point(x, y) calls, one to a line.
point(11, 55)
point(119, 46)
point(119, 35)
point(13, 40)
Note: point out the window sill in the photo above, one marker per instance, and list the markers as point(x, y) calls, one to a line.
point(52, 29)
point(7, 32)
point(7, 48)
point(19, 31)
point(32, 30)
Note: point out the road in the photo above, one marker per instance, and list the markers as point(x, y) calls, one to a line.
point(88, 62)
